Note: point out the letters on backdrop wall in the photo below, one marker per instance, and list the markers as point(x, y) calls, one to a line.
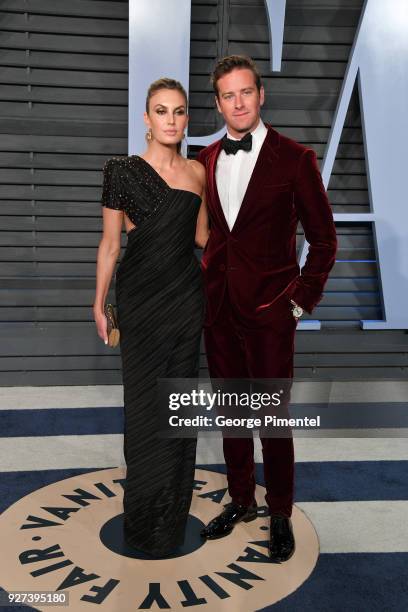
point(159, 45)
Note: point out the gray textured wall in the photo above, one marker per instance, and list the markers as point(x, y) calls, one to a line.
point(63, 111)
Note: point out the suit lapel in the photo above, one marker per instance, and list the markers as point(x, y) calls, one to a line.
point(267, 158)
point(212, 184)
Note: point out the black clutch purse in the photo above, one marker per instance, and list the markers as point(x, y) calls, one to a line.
point(112, 322)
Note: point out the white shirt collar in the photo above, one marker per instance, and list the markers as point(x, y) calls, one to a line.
point(258, 134)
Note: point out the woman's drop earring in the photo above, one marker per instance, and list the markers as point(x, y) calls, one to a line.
point(149, 134)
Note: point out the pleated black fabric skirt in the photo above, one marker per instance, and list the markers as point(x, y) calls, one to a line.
point(160, 302)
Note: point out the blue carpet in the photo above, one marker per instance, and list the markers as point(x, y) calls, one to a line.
point(343, 480)
point(15, 485)
point(355, 582)
point(61, 422)
point(16, 608)
point(81, 421)
point(314, 481)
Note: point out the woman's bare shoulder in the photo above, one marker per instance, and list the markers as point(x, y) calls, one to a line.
point(197, 168)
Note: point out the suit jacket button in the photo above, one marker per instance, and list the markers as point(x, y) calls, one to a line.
point(221, 267)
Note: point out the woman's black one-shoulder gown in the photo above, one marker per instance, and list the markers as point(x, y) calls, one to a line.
point(159, 298)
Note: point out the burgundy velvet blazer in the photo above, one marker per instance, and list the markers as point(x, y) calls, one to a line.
point(256, 261)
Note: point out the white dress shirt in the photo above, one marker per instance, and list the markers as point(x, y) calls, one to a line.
point(233, 172)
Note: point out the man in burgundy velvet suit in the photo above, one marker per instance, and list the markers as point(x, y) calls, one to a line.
point(259, 184)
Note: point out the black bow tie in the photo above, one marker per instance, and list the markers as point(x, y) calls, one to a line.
point(232, 146)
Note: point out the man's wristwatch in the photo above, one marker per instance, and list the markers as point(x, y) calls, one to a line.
point(297, 310)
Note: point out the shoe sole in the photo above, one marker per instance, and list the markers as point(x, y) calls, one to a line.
point(223, 535)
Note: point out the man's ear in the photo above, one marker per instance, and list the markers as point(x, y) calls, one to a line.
point(218, 105)
point(261, 95)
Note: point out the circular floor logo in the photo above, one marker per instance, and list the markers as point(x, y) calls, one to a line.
point(68, 537)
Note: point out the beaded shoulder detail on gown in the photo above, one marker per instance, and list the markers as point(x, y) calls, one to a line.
point(132, 185)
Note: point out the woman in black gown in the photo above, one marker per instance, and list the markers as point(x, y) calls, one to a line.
point(159, 298)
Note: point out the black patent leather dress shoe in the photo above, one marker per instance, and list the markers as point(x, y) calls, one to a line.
point(282, 541)
point(224, 523)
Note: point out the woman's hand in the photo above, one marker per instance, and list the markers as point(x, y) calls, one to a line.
point(201, 237)
point(101, 325)
point(108, 252)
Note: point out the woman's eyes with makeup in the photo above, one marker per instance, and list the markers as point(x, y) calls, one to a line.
point(177, 112)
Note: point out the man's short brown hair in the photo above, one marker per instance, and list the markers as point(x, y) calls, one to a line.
point(228, 64)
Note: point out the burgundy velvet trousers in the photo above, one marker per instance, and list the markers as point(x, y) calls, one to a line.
point(236, 351)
